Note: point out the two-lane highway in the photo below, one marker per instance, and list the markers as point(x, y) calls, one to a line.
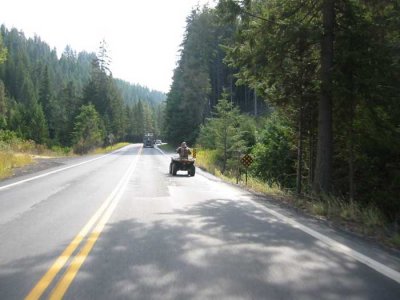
point(121, 227)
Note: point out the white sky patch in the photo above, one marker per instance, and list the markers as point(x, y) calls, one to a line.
point(143, 36)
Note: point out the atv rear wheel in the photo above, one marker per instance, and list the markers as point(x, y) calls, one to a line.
point(192, 171)
point(174, 169)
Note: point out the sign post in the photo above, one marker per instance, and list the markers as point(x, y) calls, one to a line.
point(238, 154)
point(246, 161)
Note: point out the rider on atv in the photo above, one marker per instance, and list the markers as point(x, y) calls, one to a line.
point(183, 151)
point(183, 163)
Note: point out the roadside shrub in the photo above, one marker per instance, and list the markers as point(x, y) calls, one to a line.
point(10, 141)
point(274, 155)
point(229, 133)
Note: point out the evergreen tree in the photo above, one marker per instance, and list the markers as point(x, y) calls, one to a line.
point(103, 57)
point(274, 155)
point(3, 51)
point(3, 107)
point(36, 127)
point(69, 102)
point(189, 94)
point(138, 117)
point(45, 99)
point(224, 133)
point(88, 130)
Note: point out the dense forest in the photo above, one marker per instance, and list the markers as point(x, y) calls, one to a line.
point(309, 88)
point(72, 100)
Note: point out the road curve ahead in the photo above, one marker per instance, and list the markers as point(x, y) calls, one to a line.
point(120, 227)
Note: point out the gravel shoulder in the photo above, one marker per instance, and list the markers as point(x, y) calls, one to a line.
point(39, 164)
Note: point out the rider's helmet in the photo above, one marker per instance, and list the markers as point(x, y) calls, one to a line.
point(183, 145)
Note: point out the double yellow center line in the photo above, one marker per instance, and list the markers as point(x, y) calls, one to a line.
point(92, 231)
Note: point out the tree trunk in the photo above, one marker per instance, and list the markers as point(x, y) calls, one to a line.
point(225, 151)
point(351, 138)
point(231, 88)
point(255, 103)
point(300, 152)
point(323, 167)
point(311, 154)
point(301, 48)
point(351, 162)
point(245, 97)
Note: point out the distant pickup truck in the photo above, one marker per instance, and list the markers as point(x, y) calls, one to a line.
point(148, 140)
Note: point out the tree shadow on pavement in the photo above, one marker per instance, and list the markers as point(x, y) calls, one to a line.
point(217, 249)
point(221, 249)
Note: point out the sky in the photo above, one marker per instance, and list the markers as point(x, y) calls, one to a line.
point(143, 36)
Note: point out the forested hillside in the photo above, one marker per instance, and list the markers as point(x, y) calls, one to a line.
point(132, 93)
point(51, 100)
point(201, 78)
point(309, 88)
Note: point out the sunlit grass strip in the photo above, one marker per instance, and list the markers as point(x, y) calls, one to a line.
point(207, 160)
point(109, 148)
point(9, 161)
point(30, 147)
point(258, 185)
point(368, 217)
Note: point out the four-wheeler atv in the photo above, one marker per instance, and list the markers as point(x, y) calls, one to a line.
point(182, 164)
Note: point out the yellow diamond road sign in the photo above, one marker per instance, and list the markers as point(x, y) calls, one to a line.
point(247, 160)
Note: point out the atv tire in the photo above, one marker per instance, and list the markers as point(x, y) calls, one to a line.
point(174, 169)
point(192, 171)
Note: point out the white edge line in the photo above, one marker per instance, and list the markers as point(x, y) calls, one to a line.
point(162, 152)
point(338, 247)
point(56, 171)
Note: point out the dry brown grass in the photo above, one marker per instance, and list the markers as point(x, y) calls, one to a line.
point(10, 160)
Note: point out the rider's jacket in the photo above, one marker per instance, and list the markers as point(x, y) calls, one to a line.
point(183, 152)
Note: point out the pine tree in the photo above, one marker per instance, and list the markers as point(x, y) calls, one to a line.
point(104, 58)
point(3, 51)
point(223, 133)
point(3, 107)
point(88, 130)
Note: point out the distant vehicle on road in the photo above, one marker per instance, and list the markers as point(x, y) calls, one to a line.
point(148, 140)
point(158, 142)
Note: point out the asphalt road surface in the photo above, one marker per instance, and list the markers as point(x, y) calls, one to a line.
point(120, 227)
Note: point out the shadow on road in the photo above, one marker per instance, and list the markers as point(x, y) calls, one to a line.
point(219, 249)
